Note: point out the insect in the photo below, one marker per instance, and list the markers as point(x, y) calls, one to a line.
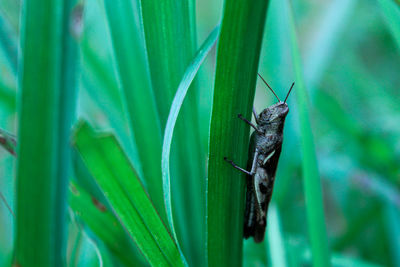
point(265, 149)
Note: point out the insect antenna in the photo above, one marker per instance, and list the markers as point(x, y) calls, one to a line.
point(288, 92)
point(269, 86)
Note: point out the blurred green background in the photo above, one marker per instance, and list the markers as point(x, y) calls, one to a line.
point(350, 65)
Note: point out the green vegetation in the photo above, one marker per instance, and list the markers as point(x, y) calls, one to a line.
point(116, 116)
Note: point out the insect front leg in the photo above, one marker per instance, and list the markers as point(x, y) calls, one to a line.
point(240, 116)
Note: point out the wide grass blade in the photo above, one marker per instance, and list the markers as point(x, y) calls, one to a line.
point(173, 116)
point(41, 200)
point(237, 63)
point(120, 185)
point(135, 80)
point(169, 47)
point(312, 182)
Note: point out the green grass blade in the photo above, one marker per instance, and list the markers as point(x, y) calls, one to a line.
point(104, 224)
point(101, 85)
point(312, 182)
point(135, 80)
point(117, 179)
point(36, 225)
point(168, 29)
point(392, 223)
point(173, 116)
point(276, 240)
point(169, 47)
point(72, 15)
point(391, 12)
point(237, 63)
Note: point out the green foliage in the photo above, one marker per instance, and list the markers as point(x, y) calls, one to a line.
point(101, 221)
point(150, 187)
point(169, 31)
point(173, 116)
point(235, 78)
point(311, 178)
point(47, 79)
point(119, 183)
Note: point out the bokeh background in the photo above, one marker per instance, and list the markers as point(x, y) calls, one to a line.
point(351, 66)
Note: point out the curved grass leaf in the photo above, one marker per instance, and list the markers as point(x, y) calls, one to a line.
point(173, 116)
point(169, 32)
point(312, 182)
point(237, 63)
point(120, 185)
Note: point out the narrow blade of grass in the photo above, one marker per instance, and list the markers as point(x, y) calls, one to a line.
point(312, 182)
point(119, 183)
point(173, 116)
point(38, 235)
point(276, 240)
point(72, 15)
point(237, 63)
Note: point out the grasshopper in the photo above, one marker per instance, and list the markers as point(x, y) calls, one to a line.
point(265, 149)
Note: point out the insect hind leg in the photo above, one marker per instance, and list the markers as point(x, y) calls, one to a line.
point(237, 167)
